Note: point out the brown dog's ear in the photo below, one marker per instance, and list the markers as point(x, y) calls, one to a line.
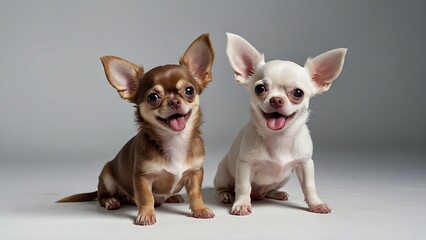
point(326, 67)
point(122, 75)
point(199, 59)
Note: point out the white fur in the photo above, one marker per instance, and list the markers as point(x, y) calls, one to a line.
point(176, 146)
point(175, 151)
point(260, 159)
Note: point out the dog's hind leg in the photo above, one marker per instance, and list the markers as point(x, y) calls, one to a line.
point(107, 189)
point(224, 184)
point(177, 198)
point(276, 194)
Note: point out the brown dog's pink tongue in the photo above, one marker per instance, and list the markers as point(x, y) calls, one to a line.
point(177, 124)
point(275, 123)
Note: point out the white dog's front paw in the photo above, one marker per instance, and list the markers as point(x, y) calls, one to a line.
point(320, 208)
point(241, 210)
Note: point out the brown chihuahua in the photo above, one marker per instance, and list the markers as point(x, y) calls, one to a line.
point(168, 152)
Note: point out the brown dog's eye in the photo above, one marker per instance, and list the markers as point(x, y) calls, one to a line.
point(153, 98)
point(298, 93)
point(189, 91)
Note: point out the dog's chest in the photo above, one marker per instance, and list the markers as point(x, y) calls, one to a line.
point(273, 170)
point(176, 154)
point(171, 179)
point(273, 163)
point(178, 167)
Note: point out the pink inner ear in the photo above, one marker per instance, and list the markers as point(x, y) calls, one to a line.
point(244, 65)
point(122, 79)
point(123, 76)
point(242, 56)
point(320, 81)
point(199, 63)
point(243, 60)
point(199, 58)
point(316, 78)
point(326, 67)
point(325, 71)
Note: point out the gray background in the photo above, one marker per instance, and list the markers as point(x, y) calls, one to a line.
point(55, 98)
point(59, 114)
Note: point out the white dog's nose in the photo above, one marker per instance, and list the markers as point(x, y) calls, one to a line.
point(276, 102)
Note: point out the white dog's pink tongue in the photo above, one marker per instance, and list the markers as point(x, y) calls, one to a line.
point(275, 123)
point(177, 124)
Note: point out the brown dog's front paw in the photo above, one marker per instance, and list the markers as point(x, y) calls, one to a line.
point(241, 210)
point(320, 208)
point(203, 213)
point(145, 219)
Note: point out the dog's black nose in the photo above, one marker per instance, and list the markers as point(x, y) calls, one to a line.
point(276, 102)
point(175, 103)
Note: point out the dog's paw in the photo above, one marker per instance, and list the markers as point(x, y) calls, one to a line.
point(112, 204)
point(241, 210)
point(226, 197)
point(277, 195)
point(203, 213)
point(175, 199)
point(320, 208)
point(146, 219)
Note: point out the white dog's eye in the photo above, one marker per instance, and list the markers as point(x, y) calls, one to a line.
point(298, 93)
point(260, 89)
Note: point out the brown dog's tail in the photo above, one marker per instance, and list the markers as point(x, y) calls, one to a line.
point(81, 197)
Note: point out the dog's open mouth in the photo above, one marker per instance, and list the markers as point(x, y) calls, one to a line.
point(176, 122)
point(276, 121)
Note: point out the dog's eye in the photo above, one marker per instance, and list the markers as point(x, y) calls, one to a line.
point(298, 93)
point(189, 91)
point(153, 98)
point(259, 89)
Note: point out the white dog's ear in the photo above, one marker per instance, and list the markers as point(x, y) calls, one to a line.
point(325, 68)
point(122, 75)
point(243, 57)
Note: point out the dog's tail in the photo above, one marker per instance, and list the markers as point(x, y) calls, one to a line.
point(81, 197)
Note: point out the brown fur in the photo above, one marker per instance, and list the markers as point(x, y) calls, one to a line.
point(139, 171)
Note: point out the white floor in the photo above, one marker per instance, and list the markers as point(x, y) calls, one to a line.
point(377, 195)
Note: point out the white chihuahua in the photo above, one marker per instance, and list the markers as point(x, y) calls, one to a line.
point(276, 140)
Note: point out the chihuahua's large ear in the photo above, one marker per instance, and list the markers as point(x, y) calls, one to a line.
point(325, 68)
point(243, 57)
point(122, 75)
point(199, 59)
